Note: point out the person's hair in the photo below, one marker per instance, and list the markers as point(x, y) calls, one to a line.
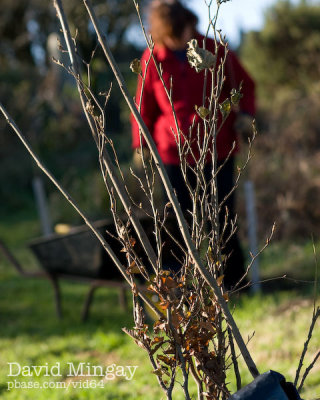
point(169, 18)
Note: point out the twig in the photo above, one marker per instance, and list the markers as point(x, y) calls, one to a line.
point(234, 360)
point(181, 356)
point(197, 379)
point(106, 158)
point(307, 371)
point(76, 207)
point(255, 256)
point(172, 197)
point(316, 314)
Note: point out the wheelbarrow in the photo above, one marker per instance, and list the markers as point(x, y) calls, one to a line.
point(76, 256)
point(268, 386)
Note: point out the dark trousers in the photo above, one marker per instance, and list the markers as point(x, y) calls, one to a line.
point(234, 267)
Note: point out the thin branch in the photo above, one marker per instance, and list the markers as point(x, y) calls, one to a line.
point(315, 316)
point(172, 197)
point(106, 158)
point(234, 360)
point(105, 245)
point(307, 371)
point(197, 380)
point(180, 354)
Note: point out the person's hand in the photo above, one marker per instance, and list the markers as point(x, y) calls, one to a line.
point(137, 157)
point(243, 126)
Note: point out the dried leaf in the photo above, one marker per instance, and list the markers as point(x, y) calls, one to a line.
point(192, 297)
point(203, 112)
point(164, 305)
point(208, 326)
point(160, 325)
point(133, 268)
point(225, 108)
point(158, 372)
point(156, 348)
point(166, 360)
point(210, 254)
point(170, 350)
point(134, 289)
point(199, 58)
point(220, 280)
point(168, 282)
point(157, 339)
point(176, 319)
point(235, 96)
point(135, 66)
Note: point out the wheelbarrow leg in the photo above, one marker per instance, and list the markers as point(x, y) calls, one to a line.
point(87, 303)
point(57, 294)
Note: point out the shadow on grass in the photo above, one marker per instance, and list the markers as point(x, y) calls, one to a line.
point(304, 288)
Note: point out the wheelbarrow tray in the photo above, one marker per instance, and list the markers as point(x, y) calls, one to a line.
point(78, 252)
point(76, 256)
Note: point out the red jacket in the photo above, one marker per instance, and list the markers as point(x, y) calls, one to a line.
point(187, 92)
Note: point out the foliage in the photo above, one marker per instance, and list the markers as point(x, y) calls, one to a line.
point(31, 334)
point(26, 25)
point(284, 59)
point(54, 124)
point(285, 53)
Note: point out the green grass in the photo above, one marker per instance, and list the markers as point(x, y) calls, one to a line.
point(278, 325)
point(31, 334)
point(295, 260)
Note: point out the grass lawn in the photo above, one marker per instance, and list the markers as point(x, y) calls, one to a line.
point(31, 334)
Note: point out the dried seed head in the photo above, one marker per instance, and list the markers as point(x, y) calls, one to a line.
point(199, 58)
point(135, 66)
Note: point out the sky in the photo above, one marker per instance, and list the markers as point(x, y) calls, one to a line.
point(234, 16)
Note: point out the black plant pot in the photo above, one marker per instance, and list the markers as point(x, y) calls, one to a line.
point(269, 386)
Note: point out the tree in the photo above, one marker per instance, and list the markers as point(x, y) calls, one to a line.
point(286, 52)
point(284, 58)
point(27, 72)
point(26, 25)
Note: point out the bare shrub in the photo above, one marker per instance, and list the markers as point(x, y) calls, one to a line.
point(194, 334)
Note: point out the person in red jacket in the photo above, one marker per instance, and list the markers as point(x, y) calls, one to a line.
point(172, 26)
